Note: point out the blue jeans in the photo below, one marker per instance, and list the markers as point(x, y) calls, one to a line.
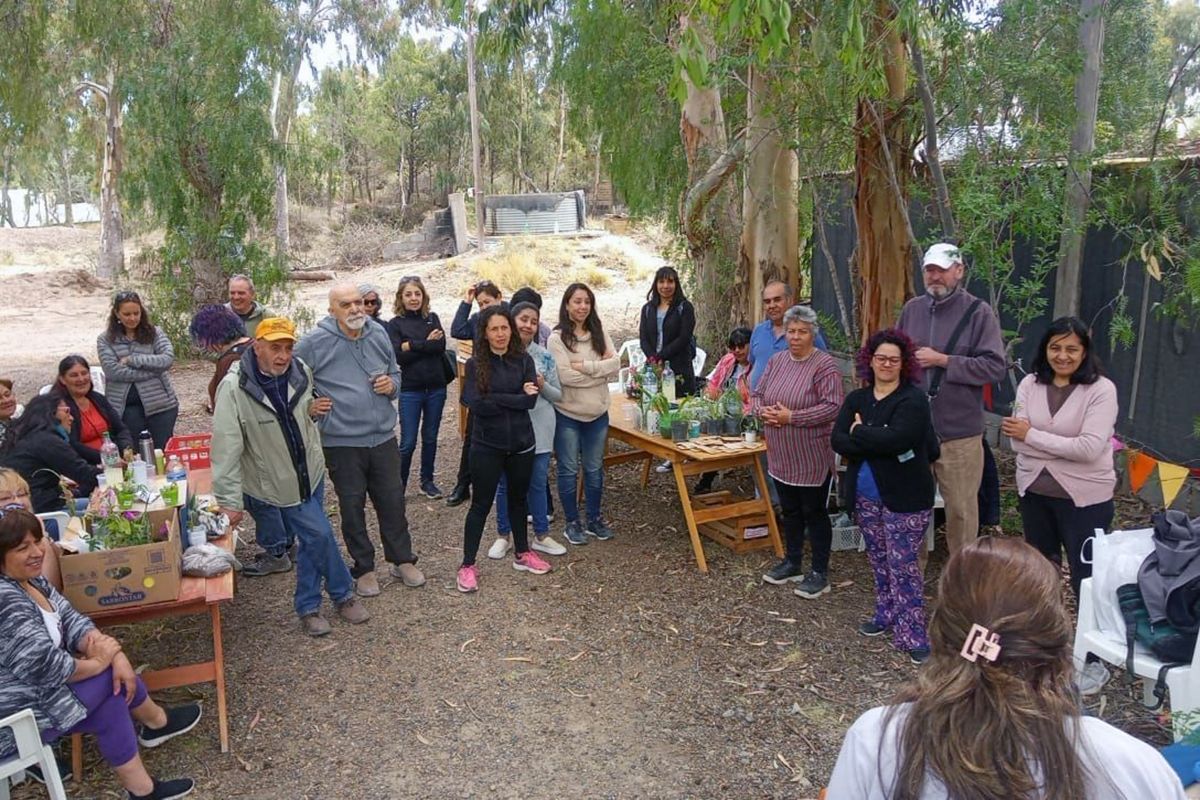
point(572, 439)
point(318, 557)
point(269, 531)
point(536, 497)
point(413, 404)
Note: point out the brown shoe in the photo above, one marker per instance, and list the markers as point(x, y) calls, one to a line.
point(367, 585)
point(409, 574)
point(353, 612)
point(315, 625)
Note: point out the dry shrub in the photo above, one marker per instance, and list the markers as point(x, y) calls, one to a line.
point(361, 243)
point(594, 276)
point(511, 268)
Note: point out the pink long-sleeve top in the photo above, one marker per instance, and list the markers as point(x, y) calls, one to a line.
point(1073, 445)
point(799, 453)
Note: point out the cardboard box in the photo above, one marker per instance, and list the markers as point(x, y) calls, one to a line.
point(127, 577)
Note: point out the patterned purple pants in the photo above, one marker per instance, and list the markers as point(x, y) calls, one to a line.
point(894, 542)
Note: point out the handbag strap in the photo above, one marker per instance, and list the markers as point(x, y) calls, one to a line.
point(935, 383)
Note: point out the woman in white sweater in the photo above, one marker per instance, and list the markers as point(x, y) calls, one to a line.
point(586, 361)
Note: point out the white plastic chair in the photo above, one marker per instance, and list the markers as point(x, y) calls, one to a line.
point(1183, 683)
point(97, 382)
point(60, 519)
point(633, 349)
point(698, 361)
point(30, 752)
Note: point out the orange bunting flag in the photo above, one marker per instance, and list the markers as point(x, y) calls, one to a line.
point(1141, 467)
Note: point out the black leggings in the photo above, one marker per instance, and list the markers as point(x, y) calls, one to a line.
point(487, 465)
point(160, 425)
point(1054, 524)
point(804, 510)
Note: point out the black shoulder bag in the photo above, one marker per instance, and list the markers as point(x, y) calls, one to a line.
point(935, 383)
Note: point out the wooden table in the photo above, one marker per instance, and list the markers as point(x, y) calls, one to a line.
point(196, 596)
point(721, 516)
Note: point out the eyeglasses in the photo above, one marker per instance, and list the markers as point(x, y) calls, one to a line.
point(887, 361)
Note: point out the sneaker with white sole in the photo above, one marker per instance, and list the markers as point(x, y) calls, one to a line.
point(166, 790)
point(180, 720)
point(468, 579)
point(499, 548)
point(1091, 678)
point(575, 534)
point(813, 586)
point(530, 561)
point(599, 528)
point(547, 544)
point(663, 467)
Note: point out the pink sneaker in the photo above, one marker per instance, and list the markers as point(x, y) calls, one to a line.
point(468, 579)
point(530, 561)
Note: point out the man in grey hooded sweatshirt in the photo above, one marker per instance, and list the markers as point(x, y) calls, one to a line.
point(355, 373)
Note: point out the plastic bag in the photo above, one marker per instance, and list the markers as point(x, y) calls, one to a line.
point(1116, 559)
point(207, 561)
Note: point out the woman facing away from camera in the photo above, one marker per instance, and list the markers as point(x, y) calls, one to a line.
point(993, 713)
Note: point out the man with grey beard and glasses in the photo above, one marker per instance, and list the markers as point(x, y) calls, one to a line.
point(355, 372)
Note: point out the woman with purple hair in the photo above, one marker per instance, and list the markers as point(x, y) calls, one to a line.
point(218, 331)
point(885, 432)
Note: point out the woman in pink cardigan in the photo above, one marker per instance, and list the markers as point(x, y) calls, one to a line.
point(1062, 427)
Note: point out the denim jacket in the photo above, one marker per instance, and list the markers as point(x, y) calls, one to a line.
point(33, 672)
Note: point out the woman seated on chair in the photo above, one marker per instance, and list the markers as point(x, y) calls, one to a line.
point(993, 714)
point(76, 679)
point(91, 415)
point(10, 409)
point(39, 448)
point(15, 491)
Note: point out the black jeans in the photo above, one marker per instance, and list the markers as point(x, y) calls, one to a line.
point(463, 481)
point(989, 489)
point(804, 511)
point(357, 472)
point(487, 465)
point(160, 425)
point(1054, 524)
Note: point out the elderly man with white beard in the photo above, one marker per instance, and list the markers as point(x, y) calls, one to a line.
point(356, 376)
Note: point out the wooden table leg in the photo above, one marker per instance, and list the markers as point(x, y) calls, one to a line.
point(219, 668)
point(77, 756)
point(646, 470)
point(686, 501)
point(760, 480)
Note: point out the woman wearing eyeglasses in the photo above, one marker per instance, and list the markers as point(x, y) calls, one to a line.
point(885, 431)
point(14, 491)
point(372, 302)
point(136, 356)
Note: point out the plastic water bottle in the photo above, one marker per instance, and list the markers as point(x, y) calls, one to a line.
point(140, 476)
point(649, 382)
point(175, 470)
point(668, 383)
point(110, 457)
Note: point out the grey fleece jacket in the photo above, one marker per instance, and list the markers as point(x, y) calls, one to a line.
point(978, 358)
point(343, 370)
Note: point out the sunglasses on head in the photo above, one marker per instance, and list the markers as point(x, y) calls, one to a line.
point(125, 297)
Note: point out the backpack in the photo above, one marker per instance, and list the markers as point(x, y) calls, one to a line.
point(1165, 642)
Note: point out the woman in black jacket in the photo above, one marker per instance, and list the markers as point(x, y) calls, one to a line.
point(420, 345)
point(886, 433)
point(501, 388)
point(91, 414)
point(667, 324)
point(39, 448)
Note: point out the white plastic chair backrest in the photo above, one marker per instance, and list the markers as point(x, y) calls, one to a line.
point(698, 361)
point(633, 349)
point(30, 751)
point(60, 520)
point(46, 389)
point(98, 379)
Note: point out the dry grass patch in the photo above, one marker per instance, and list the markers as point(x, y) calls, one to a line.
point(510, 269)
point(594, 276)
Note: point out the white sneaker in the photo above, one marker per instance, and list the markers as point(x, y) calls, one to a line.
point(546, 544)
point(499, 548)
point(663, 467)
point(1091, 678)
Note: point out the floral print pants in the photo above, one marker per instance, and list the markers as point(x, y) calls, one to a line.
point(894, 542)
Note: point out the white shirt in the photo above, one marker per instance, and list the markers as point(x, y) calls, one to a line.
point(53, 625)
point(865, 771)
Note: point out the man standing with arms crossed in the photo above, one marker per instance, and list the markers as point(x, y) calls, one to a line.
point(961, 350)
point(357, 378)
point(266, 456)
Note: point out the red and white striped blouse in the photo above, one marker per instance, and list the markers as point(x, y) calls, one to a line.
point(799, 454)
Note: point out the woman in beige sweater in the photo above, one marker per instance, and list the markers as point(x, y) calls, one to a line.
point(586, 361)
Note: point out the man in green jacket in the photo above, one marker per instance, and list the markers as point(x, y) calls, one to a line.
point(266, 456)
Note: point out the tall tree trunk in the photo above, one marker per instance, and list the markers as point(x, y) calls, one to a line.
point(112, 224)
point(473, 105)
point(64, 166)
point(708, 217)
point(933, 158)
point(6, 212)
point(552, 181)
point(881, 165)
point(770, 242)
point(1067, 283)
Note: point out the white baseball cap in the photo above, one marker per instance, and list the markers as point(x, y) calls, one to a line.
point(943, 256)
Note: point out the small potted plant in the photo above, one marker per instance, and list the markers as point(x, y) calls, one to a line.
point(679, 428)
point(751, 427)
point(111, 527)
point(665, 420)
point(659, 407)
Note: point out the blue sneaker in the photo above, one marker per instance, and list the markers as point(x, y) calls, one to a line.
point(575, 533)
point(600, 530)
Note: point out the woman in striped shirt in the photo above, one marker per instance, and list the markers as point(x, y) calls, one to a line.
point(798, 398)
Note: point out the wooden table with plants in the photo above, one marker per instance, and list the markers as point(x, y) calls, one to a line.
point(725, 441)
point(196, 596)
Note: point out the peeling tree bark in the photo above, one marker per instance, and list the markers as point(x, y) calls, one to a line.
point(112, 224)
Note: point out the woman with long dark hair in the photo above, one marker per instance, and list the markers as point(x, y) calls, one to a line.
point(993, 715)
point(91, 414)
point(136, 356)
point(586, 360)
point(38, 446)
point(1061, 430)
point(666, 328)
point(220, 332)
point(885, 431)
point(500, 388)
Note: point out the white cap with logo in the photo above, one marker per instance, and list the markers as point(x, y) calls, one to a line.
point(943, 256)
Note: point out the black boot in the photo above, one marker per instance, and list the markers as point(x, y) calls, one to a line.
point(460, 495)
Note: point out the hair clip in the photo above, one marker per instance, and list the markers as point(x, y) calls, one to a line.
point(981, 642)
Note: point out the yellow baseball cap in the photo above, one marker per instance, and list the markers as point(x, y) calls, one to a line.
point(275, 329)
